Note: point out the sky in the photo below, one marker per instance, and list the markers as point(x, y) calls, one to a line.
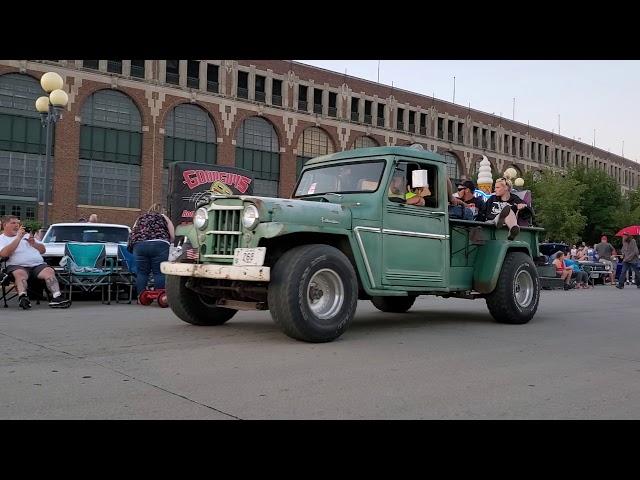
point(572, 96)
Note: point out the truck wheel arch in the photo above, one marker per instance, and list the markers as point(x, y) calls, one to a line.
point(489, 262)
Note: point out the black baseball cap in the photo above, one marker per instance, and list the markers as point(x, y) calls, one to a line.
point(468, 184)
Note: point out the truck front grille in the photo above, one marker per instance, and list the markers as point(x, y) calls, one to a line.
point(225, 232)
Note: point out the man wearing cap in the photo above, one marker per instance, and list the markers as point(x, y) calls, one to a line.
point(466, 192)
point(605, 253)
point(629, 260)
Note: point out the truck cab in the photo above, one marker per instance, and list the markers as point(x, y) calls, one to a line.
point(349, 232)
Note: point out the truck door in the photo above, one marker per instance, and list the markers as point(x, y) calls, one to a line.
point(414, 238)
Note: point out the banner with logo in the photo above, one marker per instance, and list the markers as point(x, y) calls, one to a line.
point(191, 183)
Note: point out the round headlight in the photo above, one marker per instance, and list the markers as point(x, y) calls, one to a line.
point(250, 217)
point(200, 218)
point(607, 267)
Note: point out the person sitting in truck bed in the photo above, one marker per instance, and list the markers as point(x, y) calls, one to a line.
point(457, 207)
point(466, 192)
point(501, 207)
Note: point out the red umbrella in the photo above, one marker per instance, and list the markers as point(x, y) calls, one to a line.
point(631, 230)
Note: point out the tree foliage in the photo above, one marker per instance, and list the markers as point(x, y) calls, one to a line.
point(581, 205)
point(556, 202)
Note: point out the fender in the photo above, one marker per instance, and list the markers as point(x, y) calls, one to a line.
point(489, 262)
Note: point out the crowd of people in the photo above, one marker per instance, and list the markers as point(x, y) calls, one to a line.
point(569, 269)
point(150, 239)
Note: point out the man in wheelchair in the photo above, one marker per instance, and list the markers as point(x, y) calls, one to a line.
point(24, 262)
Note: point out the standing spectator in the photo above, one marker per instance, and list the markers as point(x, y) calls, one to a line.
point(574, 252)
point(629, 260)
point(93, 218)
point(605, 253)
point(150, 239)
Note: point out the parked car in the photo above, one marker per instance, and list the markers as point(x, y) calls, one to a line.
point(59, 234)
point(550, 249)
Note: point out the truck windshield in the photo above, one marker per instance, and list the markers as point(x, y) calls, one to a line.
point(344, 178)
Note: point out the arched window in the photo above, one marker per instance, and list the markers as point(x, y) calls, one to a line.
point(257, 150)
point(110, 151)
point(364, 142)
point(22, 146)
point(313, 142)
point(190, 136)
point(453, 170)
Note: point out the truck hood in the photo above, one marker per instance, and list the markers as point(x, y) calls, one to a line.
point(302, 212)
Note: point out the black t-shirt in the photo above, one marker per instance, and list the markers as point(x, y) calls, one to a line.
point(493, 206)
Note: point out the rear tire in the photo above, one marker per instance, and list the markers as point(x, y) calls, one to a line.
point(517, 293)
point(313, 293)
point(192, 307)
point(393, 304)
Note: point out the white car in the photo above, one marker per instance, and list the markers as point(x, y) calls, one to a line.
point(59, 234)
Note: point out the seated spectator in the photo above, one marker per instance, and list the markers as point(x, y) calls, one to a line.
point(562, 271)
point(25, 262)
point(573, 252)
point(501, 207)
point(581, 254)
point(581, 277)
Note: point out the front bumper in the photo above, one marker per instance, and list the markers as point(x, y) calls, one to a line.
point(223, 272)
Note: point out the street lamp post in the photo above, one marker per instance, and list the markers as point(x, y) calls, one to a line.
point(50, 109)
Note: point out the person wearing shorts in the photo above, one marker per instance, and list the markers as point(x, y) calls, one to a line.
point(25, 262)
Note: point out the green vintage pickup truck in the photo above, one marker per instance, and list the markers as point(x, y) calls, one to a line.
point(346, 235)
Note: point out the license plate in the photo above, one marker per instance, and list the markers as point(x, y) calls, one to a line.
point(249, 256)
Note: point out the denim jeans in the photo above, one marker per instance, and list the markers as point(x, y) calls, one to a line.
point(149, 254)
point(459, 211)
point(623, 274)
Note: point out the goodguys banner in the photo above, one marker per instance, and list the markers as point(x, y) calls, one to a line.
point(191, 182)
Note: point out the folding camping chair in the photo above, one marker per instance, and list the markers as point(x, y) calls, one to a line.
point(87, 267)
point(35, 289)
point(125, 274)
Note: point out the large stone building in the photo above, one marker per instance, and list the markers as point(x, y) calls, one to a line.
point(127, 119)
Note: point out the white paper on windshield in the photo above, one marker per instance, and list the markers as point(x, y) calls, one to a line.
point(312, 188)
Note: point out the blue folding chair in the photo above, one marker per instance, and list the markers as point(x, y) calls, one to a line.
point(126, 271)
point(87, 267)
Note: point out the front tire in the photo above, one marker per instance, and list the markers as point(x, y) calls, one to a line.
point(393, 304)
point(517, 293)
point(192, 307)
point(313, 293)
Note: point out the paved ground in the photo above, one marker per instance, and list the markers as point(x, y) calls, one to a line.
point(578, 358)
